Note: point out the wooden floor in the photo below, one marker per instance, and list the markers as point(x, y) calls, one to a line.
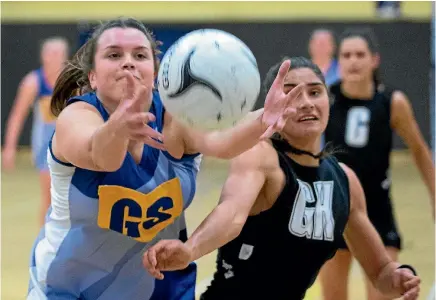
point(20, 197)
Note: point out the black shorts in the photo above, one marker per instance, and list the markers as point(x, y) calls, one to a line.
point(381, 215)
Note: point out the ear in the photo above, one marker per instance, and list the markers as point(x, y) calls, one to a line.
point(92, 80)
point(375, 60)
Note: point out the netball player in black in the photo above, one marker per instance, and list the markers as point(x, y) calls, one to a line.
point(283, 209)
point(363, 117)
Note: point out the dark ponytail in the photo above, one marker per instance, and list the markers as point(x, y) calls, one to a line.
point(71, 82)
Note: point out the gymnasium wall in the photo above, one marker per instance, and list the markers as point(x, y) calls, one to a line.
point(271, 30)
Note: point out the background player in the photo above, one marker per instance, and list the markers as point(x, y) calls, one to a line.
point(363, 117)
point(115, 188)
point(282, 209)
point(36, 89)
point(322, 48)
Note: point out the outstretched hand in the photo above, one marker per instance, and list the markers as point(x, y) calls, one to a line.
point(132, 116)
point(277, 107)
point(166, 255)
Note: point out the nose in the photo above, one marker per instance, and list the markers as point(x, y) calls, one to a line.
point(128, 63)
point(305, 102)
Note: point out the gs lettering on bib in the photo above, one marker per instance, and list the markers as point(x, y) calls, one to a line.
point(137, 215)
point(44, 109)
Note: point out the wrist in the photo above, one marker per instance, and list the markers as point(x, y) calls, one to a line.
point(116, 127)
point(262, 125)
point(409, 267)
point(192, 250)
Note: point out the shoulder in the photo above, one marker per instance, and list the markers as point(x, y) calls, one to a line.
point(262, 156)
point(351, 175)
point(399, 98)
point(79, 108)
point(401, 108)
point(30, 80)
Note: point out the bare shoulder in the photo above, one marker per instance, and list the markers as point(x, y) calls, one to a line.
point(30, 81)
point(400, 105)
point(261, 156)
point(78, 109)
point(79, 115)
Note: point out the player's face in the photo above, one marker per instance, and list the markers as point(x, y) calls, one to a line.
point(117, 50)
point(312, 105)
point(322, 45)
point(53, 56)
point(357, 63)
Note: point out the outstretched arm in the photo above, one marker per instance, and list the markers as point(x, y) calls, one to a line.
point(241, 189)
point(404, 123)
point(230, 143)
point(102, 146)
point(367, 246)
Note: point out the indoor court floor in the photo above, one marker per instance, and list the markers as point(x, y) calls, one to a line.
point(19, 207)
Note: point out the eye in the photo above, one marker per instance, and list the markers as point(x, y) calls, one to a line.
point(360, 54)
point(346, 55)
point(113, 55)
point(141, 56)
point(315, 92)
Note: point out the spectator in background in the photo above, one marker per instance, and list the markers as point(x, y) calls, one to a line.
point(322, 47)
point(35, 90)
point(388, 9)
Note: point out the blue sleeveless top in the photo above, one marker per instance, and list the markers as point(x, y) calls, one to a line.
point(100, 223)
point(43, 121)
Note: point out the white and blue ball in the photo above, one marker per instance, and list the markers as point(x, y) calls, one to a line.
point(209, 79)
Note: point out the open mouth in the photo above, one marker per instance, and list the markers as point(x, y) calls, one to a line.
point(307, 118)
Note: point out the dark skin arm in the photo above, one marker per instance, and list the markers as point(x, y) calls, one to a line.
point(404, 123)
point(242, 192)
point(366, 245)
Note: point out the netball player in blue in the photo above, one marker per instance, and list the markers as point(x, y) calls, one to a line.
point(36, 89)
point(115, 188)
point(322, 46)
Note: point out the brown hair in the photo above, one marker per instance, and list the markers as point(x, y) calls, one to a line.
point(73, 79)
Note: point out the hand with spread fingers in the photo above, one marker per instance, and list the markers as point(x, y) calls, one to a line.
point(132, 117)
point(277, 107)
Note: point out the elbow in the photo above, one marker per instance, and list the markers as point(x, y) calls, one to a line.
point(225, 154)
point(236, 228)
point(107, 165)
point(111, 167)
point(214, 145)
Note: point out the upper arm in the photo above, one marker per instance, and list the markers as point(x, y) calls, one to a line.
point(360, 235)
point(404, 123)
point(174, 132)
point(27, 91)
point(193, 139)
point(75, 128)
point(247, 176)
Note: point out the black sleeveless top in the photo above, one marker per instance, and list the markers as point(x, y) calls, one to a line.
point(362, 131)
point(280, 251)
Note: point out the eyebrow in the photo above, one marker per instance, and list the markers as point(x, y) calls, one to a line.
point(311, 84)
point(136, 48)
